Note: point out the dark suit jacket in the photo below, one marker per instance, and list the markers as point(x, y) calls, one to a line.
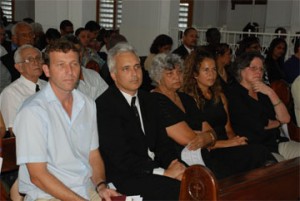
point(123, 147)
point(181, 51)
point(9, 62)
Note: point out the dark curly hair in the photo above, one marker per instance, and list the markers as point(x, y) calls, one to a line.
point(190, 85)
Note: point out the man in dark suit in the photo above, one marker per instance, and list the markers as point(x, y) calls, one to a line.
point(189, 42)
point(137, 153)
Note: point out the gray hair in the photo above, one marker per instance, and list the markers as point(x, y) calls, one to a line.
point(17, 56)
point(244, 61)
point(116, 50)
point(163, 62)
point(15, 26)
point(37, 27)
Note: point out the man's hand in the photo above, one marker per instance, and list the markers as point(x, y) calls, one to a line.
point(106, 193)
point(175, 170)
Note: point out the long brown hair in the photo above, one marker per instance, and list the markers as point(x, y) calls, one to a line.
point(190, 85)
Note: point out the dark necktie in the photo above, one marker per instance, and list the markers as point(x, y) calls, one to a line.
point(37, 88)
point(136, 112)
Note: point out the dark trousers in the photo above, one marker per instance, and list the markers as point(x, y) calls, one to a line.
point(150, 187)
point(224, 162)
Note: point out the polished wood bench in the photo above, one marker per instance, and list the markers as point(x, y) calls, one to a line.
point(275, 182)
point(8, 153)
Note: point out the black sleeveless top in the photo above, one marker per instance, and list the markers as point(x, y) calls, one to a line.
point(216, 116)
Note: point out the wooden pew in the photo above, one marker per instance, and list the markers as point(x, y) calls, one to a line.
point(8, 153)
point(276, 182)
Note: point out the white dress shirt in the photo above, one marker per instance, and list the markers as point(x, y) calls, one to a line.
point(13, 96)
point(93, 84)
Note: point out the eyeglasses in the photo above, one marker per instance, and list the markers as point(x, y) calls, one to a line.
point(31, 60)
point(255, 68)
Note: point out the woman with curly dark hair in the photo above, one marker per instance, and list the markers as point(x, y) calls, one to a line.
point(201, 82)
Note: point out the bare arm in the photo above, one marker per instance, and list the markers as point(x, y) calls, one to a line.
point(282, 114)
point(184, 135)
point(229, 131)
point(43, 179)
point(98, 175)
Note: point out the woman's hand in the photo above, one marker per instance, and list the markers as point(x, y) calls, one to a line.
point(237, 141)
point(273, 124)
point(202, 139)
point(259, 86)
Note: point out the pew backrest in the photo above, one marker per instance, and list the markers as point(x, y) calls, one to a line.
point(275, 182)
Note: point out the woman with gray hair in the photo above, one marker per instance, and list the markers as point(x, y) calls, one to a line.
point(193, 137)
point(255, 109)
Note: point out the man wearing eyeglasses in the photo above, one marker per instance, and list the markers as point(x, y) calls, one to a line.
point(22, 34)
point(28, 62)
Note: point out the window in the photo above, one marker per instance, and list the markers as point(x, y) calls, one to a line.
point(109, 13)
point(185, 14)
point(8, 9)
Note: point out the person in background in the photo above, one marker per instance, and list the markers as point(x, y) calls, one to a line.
point(57, 148)
point(5, 77)
point(279, 31)
point(161, 44)
point(130, 134)
point(28, 61)
point(222, 55)
point(66, 27)
point(291, 66)
point(94, 29)
point(256, 111)
point(51, 36)
point(39, 39)
point(22, 33)
point(296, 96)
point(275, 59)
point(189, 42)
point(213, 39)
point(248, 44)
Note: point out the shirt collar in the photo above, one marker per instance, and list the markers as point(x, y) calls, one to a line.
point(29, 83)
point(128, 97)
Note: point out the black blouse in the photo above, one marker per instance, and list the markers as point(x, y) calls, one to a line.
point(249, 117)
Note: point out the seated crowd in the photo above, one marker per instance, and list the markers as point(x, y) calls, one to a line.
point(86, 128)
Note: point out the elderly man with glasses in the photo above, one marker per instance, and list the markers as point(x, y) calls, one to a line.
point(28, 62)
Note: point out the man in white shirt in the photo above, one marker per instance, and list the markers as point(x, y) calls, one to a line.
point(28, 61)
point(57, 136)
point(91, 83)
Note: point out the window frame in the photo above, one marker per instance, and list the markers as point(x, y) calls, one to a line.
point(12, 10)
point(115, 13)
point(190, 11)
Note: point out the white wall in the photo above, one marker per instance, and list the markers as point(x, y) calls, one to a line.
point(24, 8)
point(51, 13)
point(142, 21)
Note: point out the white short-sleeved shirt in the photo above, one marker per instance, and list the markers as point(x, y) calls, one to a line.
point(93, 85)
point(13, 96)
point(45, 133)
